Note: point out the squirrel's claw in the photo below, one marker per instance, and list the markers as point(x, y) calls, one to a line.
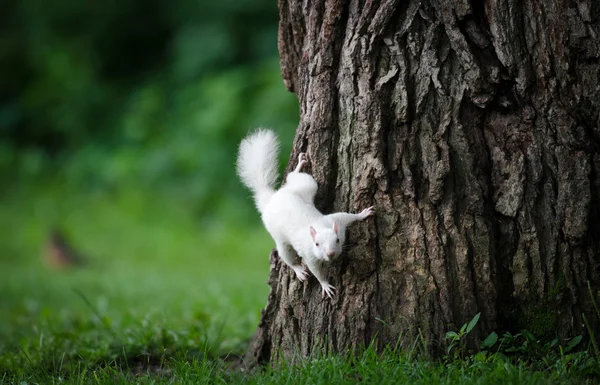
point(327, 289)
point(301, 274)
point(367, 212)
point(301, 161)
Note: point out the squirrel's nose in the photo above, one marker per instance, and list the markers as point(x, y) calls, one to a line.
point(330, 253)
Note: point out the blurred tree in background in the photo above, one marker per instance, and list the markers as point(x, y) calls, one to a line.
point(102, 95)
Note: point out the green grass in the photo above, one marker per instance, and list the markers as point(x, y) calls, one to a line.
point(155, 278)
point(168, 298)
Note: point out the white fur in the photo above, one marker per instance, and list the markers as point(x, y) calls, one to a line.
point(257, 164)
point(289, 214)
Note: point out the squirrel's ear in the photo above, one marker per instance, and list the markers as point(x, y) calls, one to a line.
point(313, 232)
point(335, 228)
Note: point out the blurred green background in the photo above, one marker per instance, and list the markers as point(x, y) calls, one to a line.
point(119, 124)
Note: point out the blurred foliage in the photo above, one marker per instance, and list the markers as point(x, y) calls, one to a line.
point(101, 95)
point(119, 127)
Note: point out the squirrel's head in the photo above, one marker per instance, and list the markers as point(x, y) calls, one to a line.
point(326, 242)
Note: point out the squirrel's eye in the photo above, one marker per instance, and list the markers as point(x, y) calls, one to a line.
point(337, 241)
point(317, 244)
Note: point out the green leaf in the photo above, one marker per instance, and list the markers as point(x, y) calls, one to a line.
point(529, 336)
point(473, 322)
point(451, 335)
point(573, 342)
point(490, 341)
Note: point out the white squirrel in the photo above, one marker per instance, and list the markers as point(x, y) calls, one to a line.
point(289, 214)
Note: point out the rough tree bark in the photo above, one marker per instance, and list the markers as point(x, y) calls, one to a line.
point(473, 126)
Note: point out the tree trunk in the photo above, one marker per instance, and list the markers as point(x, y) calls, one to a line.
point(473, 127)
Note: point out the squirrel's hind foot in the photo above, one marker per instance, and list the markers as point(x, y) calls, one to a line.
point(301, 161)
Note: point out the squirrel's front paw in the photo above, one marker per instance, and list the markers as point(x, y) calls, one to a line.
point(326, 288)
point(301, 273)
point(367, 213)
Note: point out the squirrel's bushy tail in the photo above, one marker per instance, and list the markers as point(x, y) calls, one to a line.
point(257, 164)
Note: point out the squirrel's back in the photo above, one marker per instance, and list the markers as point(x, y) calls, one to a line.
point(288, 217)
point(257, 165)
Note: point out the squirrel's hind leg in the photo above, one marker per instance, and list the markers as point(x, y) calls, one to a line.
point(301, 162)
point(287, 254)
point(302, 183)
